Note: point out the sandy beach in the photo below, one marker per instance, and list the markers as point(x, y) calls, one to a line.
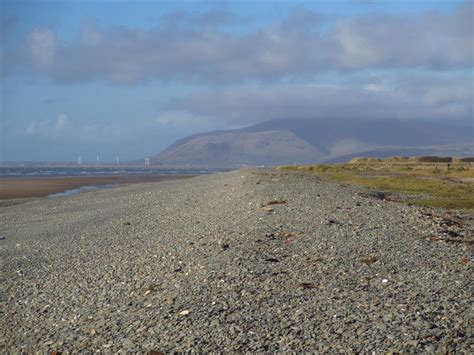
point(15, 188)
point(245, 261)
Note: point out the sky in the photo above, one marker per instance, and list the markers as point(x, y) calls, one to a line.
point(128, 78)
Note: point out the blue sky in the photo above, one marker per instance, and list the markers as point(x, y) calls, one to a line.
point(129, 77)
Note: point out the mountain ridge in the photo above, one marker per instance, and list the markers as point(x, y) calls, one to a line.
point(313, 141)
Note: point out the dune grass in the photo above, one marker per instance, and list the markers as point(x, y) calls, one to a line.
point(445, 188)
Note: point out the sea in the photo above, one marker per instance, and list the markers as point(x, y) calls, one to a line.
point(77, 171)
point(25, 172)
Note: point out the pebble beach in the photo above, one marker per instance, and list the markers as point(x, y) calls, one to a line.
point(252, 260)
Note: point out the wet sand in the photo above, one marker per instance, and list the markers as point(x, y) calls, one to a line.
point(16, 188)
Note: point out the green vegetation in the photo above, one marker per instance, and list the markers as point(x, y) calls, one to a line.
point(448, 187)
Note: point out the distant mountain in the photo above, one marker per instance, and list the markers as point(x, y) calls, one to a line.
point(239, 148)
point(311, 141)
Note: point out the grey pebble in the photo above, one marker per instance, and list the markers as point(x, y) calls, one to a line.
point(117, 267)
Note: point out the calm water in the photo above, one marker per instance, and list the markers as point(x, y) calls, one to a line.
point(81, 190)
point(13, 172)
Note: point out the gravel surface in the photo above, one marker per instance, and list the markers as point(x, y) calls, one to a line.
point(251, 260)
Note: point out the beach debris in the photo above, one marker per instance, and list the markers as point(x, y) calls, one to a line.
point(267, 209)
point(272, 260)
point(126, 223)
point(465, 260)
point(283, 234)
point(2, 237)
point(451, 233)
point(224, 246)
point(458, 239)
point(384, 281)
point(368, 260)
point(274, 202)
point(449, 222)
point(149, 289)
point(184, 312)
point(169, 300)
point(270, 235)
point(444, 221)
point(307, 285)
point(286, 234)
point(314, 261)
point(378, 195)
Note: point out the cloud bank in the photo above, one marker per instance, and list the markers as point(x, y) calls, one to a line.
point(409, 97)
point(201, 50)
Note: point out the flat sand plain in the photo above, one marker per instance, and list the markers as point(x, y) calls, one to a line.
point(15, 188)
point(246, 261)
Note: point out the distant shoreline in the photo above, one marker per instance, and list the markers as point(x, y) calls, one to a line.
point(31, 187)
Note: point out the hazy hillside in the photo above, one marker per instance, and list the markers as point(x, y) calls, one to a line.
point(325, 133)
point(240, 148)
point(307, 141)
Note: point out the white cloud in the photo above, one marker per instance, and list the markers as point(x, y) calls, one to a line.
point(42, 47)
point(91, 34)
point(356, 49)
point(62, 122)
point(298, 47)
point(65, 130)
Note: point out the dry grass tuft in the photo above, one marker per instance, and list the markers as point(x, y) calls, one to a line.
point(447, 186)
